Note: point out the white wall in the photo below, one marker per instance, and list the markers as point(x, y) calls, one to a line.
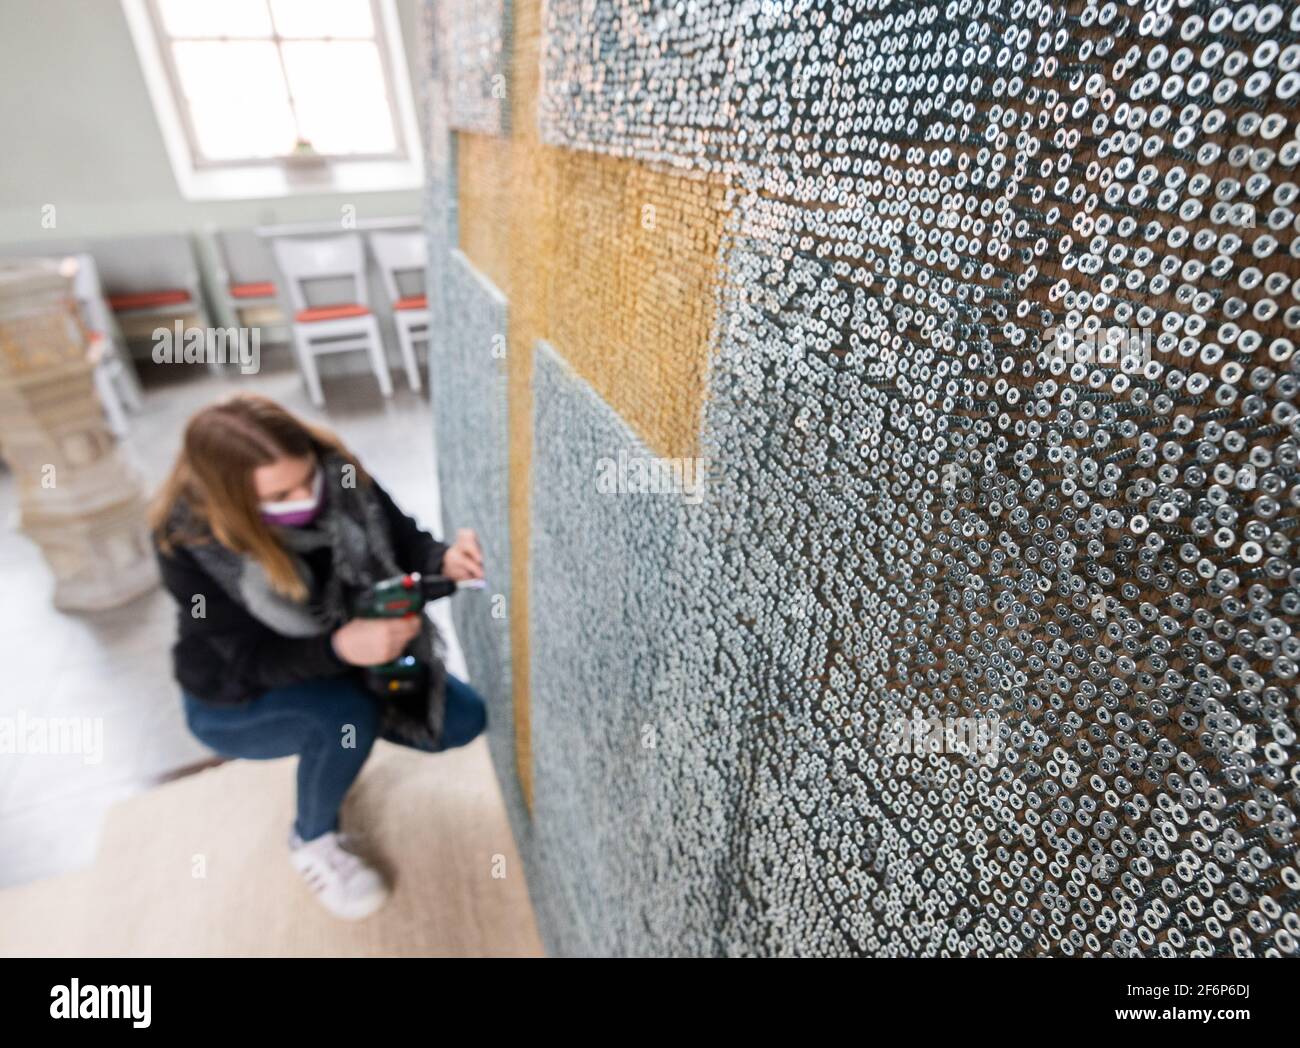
point(78, 131)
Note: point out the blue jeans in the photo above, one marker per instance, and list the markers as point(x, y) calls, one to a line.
point(331, 724)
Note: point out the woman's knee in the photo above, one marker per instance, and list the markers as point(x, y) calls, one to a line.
point(346, 711)
point(334, 711)
point(465, 716)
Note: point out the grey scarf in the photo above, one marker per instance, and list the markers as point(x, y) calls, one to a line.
point(351, 525)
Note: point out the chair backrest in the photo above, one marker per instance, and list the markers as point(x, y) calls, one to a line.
point(243, 256)
point(397, 252)
point(129, 265)
point(303, 259)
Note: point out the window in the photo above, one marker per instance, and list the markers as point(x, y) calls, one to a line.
point(261, 97)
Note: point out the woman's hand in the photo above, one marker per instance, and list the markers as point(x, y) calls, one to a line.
point(463, 560)
point(372, 642)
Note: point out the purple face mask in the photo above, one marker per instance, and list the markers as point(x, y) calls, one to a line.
point(294, 513)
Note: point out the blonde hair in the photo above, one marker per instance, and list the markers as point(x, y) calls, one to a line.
point(213, 477)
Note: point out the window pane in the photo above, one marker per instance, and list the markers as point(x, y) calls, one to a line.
point(317, 18)
point(237, 98)
point(339, 96)
point(203, 18)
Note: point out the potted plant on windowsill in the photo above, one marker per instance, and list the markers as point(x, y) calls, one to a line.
point(303, 156)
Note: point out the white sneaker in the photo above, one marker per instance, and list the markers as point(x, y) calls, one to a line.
point(344, 882)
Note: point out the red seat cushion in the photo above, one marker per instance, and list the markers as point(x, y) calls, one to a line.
point(307, 316)
point(263, 290)
point(147, 299)
point(412, 302)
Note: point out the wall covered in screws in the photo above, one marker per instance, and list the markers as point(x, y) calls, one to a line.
point(903, 467)
point(475, 478)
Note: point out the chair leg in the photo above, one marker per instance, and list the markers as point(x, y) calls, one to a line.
point(125, 388)
point(117, 423)
point(215, 367)
point(379, 360)
point(408, 354)
point(307, 365)
point(125, 380)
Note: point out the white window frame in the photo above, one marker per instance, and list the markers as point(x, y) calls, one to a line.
point(200, 179)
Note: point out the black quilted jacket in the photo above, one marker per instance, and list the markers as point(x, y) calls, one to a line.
point(228, 657)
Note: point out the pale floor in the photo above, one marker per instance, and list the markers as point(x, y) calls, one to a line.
point(115, 665)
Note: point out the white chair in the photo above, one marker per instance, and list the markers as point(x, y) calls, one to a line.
point(152, 279)
point(115, 380)
point(245, 276)
point(401, 256)
point(339, 328)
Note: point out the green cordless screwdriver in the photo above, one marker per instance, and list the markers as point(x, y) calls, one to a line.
point(395, 598)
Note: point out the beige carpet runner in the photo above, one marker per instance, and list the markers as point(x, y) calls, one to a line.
point(199, 867)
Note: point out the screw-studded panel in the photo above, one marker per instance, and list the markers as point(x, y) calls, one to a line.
point(1001, 423)
point(475, 56)
point(473, 476)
